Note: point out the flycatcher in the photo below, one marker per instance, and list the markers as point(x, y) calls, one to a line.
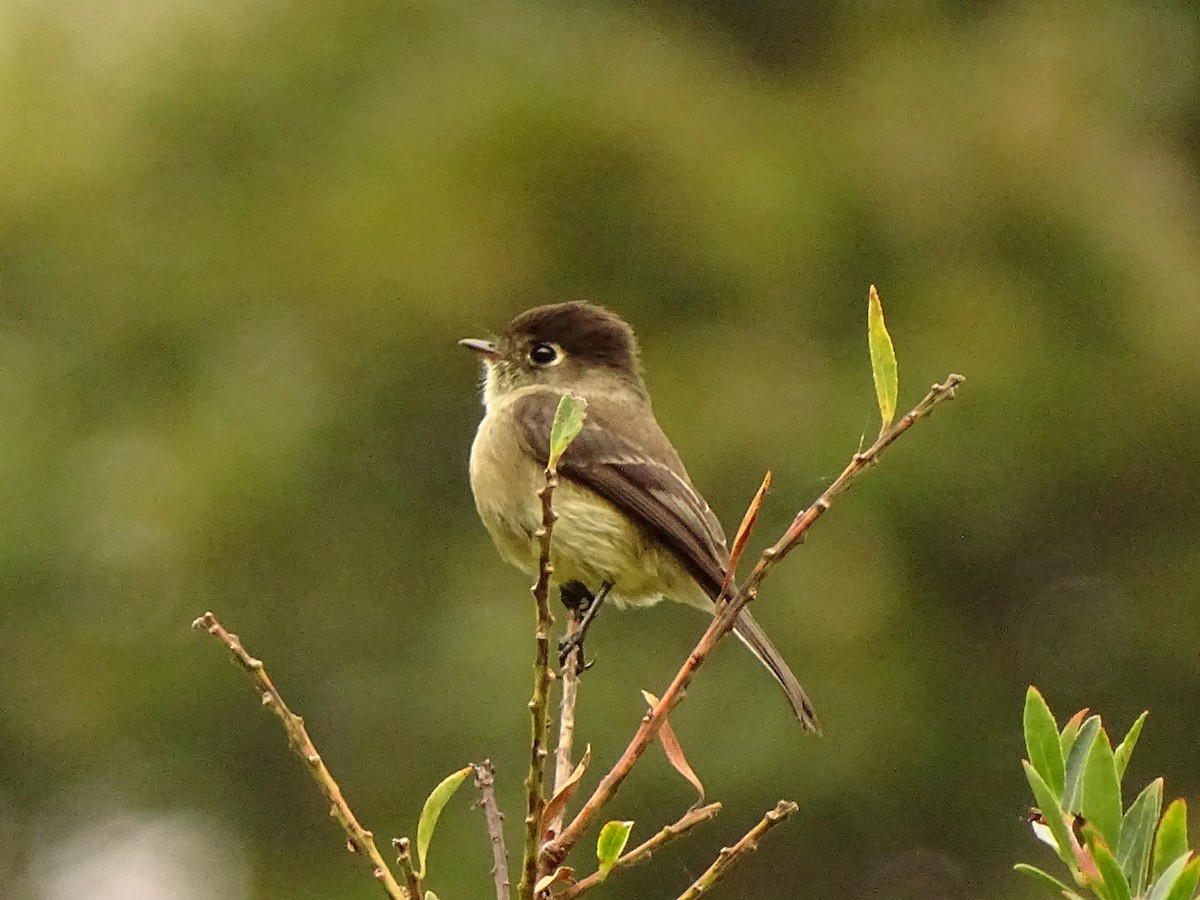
point(631, 524)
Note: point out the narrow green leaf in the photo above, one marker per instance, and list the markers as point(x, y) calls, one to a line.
point(1125, 748)
point(1089, 871)
point(432, 809)
point(611, 844)
point(1171, 842)
point(1071, 731)
point(1046, 880)
point(1081, 748)
point(568, 422)
point(883, 359)
point(1101, 801)
point(1041, 741)
point(1171, 876)
point(1137, 836)
point(1048, 805)
point(1185, 886)
point(1114, 879)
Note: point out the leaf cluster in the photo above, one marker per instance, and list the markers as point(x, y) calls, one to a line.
point(1112, 853)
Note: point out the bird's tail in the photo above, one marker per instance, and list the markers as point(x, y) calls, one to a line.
point(760, 645)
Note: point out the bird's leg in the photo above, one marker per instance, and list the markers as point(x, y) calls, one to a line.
point(575, 596)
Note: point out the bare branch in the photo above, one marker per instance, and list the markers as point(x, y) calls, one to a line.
point(643, 851)
point(556, 850)
point(535, 786)
point(563, 766)
point(412, 881)
point(730, 855)
point(485, 781)
point(362, 842)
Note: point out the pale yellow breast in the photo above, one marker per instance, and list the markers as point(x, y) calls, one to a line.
point(594, 542)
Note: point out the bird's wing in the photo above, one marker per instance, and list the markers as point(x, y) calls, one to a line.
point(646, 480)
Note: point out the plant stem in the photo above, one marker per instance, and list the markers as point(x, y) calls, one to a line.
point(485, 781)
point(563, 764)
point(730, 855)
point(535, 786)
point(642, 851)
point(362, 842)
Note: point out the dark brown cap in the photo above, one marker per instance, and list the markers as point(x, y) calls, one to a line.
point(587, 332)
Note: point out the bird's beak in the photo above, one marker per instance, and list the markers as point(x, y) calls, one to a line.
point(486, 349)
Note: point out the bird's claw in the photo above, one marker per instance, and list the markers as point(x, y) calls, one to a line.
point(573, 644)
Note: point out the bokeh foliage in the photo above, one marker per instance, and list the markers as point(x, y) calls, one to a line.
point(238, 242)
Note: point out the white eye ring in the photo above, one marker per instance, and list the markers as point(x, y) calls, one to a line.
point(544, 353)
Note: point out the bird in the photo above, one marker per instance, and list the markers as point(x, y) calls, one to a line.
point(631, 527)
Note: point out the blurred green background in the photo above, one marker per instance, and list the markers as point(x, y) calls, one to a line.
point(238, 242)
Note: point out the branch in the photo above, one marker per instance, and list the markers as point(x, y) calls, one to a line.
point(690, 820)
point(361, 841)
point(412, 881)
point(730, 855)
point(484, 780)
point(862, 460)
point(555, 851)
point(535, 782)
point(563, 766)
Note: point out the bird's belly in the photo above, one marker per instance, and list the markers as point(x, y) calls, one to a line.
point(593, 542)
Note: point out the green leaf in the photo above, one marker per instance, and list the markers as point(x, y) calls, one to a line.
point(1071, 731)
point(1137, 836)
point(432, 809)
point(1106, 863)
point(1171, 843)
point(1185, 886)
point(1048, 805)
point(1100, 803)
point(610, 845)
point(883, 359)
point(1125, 748)
point(1164, 887)
point(1081, 748)
point(1041, 741)
point(568, 422)
point(1046, 880)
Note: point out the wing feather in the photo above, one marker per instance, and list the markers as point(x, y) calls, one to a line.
point(645, 479)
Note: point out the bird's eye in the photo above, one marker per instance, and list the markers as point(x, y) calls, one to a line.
point(541, 354)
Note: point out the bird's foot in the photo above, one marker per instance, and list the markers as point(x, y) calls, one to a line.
point(583, 605)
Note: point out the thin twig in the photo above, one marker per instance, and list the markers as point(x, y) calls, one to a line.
point(412, 881)
point(361, 841)
point(485, 781)
point(730, 855)
point(643, 851)
point(563, 764)
point(556, 850)
point(535, 786)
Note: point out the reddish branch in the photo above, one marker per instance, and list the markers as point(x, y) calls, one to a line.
point(556, 850)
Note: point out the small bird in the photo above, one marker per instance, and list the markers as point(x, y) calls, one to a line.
point(631, 524)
